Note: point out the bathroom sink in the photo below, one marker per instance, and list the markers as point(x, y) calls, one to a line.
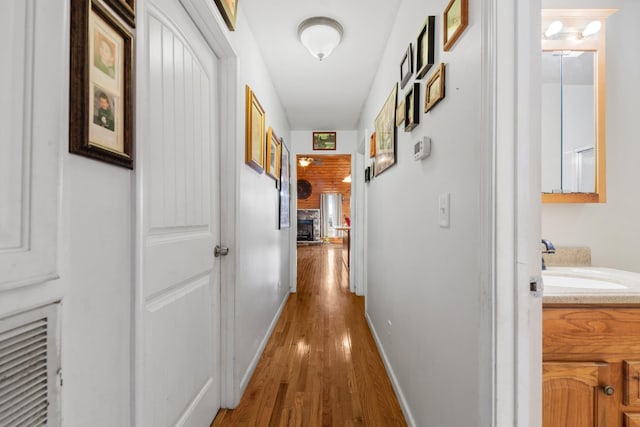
point(556, 281)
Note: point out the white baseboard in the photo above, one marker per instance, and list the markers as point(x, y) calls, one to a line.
point(394, 380)
point(263, 344)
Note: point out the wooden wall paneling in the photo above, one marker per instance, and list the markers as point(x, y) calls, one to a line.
point(326, 177)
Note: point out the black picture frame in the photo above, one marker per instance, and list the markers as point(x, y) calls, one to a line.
point(412, 108)
point(425, 47)
point(284, 193)
point(406, 67)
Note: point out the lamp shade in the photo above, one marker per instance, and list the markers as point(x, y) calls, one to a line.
point(320, 35)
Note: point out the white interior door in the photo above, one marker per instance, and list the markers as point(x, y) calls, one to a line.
point(180, 295)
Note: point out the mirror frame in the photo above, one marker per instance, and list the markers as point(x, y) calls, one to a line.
point(578, 18)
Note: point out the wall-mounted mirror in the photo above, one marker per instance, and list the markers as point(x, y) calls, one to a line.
point(573, 106)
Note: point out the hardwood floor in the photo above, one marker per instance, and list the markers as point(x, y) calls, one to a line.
point(321, 366)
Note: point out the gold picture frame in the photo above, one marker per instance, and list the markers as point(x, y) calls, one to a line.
point(274, 154)
point(455, 20)
point(254, 131)
point(435, 88)
point(385, 126)
point(229, 10)
point(101, 105)
point(372, 145)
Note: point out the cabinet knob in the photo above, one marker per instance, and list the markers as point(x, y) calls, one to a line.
point(608, 390)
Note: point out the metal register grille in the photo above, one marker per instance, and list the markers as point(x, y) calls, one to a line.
point(24, 370)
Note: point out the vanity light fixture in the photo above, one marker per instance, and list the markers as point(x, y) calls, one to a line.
point(305, 161)
point(554, 28)
point(592, 28)
point(320, 35)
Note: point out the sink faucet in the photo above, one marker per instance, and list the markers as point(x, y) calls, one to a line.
point(549, 249)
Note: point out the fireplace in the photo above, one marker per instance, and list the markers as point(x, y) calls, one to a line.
point(309, 225)
point(305, 230)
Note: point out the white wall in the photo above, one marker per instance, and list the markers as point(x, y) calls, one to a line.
point(610, 229)
point(263, 251)
point(425, 300)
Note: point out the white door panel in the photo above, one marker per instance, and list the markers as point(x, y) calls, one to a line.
point(181, 222)
point(29, 132)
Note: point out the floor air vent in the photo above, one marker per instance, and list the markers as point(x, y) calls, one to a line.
point(29, 364)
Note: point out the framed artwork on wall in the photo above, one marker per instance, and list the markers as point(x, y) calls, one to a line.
point(372, 145)
point(456, 19)
point(435, 89)
point(273, 155)
point(324, 140)
point(254, 131)
point(101, 101)
point(228, 9)
point(406, 67)
point(425, 47)
point(412, 108)
point(400, 112)
point(385, 126)
point(285, 187)
point(125, 8)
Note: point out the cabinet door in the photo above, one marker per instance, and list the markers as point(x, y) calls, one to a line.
point(573, 395)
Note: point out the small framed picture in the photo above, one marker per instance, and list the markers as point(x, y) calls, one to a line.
point(406, 67)
point(385, 126)
point(435, 88)
point(400, 113)
point(274, 154)
point(324, 140)
point(285, 190)
point(101, 89)
point(254, 131)
point(372, 145)
point(425, 47)
point(412, 108)
point(228, 9)
point(456, 19)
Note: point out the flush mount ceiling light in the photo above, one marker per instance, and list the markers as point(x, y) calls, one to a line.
point(320, 35)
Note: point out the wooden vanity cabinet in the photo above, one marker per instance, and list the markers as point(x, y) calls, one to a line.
point(591, 366)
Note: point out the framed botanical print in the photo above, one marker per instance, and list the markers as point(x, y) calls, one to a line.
point(228, 9)
point(273, 155)
point(254, 131)
point(385, 126)
point(101, 110)
point(425, 47)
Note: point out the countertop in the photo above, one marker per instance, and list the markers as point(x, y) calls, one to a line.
point(601, 286)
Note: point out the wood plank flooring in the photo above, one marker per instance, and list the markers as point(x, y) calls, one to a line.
point(321, 366)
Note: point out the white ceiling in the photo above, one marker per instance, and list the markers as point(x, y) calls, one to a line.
point(325, 95)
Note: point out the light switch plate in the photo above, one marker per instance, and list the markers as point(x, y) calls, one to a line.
point(443, 210)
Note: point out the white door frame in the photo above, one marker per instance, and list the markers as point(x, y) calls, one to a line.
point(213, 29)
point(512, 116)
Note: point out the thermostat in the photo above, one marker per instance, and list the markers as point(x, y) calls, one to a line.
point(422, 148)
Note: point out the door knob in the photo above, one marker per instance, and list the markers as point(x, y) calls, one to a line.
point(608, 390)
point(220, 251)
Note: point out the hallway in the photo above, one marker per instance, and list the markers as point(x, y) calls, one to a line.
point(321, 365)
